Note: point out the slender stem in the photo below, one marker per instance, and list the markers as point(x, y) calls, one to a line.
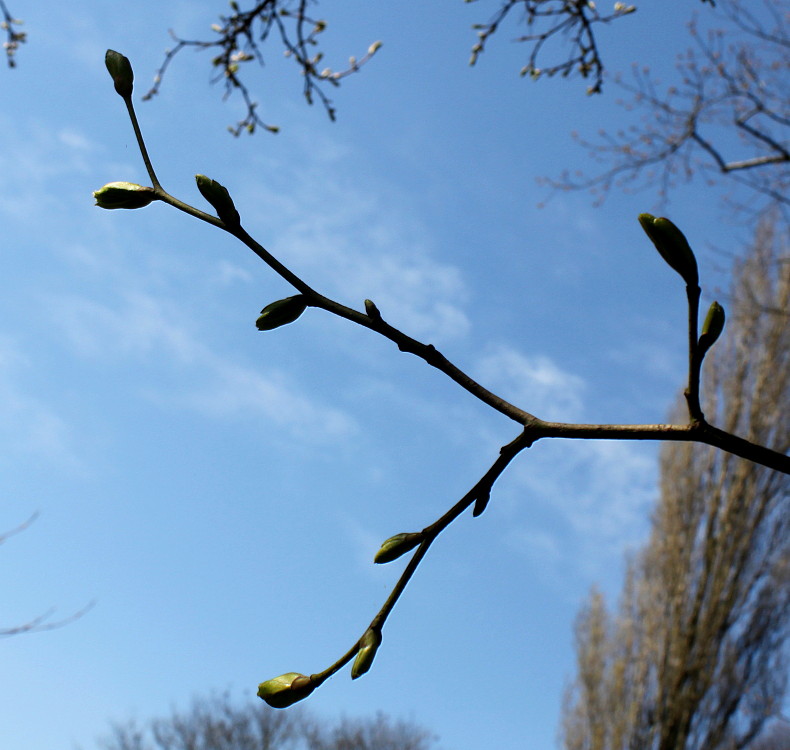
point(141, 143)
point(692, 389)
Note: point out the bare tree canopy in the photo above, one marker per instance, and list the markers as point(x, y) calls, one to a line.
point(694, 657)
point(218, 724)
point(726, 114)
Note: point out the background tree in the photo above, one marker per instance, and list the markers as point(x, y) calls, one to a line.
point(695, 655)
point(42, 621)
point(726, 114)
point(14, 37)
point(218, 724)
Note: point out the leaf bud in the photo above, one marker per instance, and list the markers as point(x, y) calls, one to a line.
point(481, 502)
point(217, 195)
point(372, 310)
point(672, 245)
point(396, 546)
point(711, 328)
point(281, 312)
point(124, 195)
point(375, 47)
point(285, 690)
point(368, 645)
point(120, 70)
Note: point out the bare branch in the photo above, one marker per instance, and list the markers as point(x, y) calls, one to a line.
point(733, 82)
point(572, 21)
point(238, 41)
point(13, 37)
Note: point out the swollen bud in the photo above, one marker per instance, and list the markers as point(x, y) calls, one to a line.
point(121, 71)
point(124, 195)
point(217, 195)
point(396, 546)
point(368, 645)
point(711, 328)
point(672, 245)
point(285, 690)
point(281, 312)
point(481, 502)
point(372, 310)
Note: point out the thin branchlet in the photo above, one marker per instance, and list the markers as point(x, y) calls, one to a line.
point(725, 116)
point(238, 39)
point(533, 428)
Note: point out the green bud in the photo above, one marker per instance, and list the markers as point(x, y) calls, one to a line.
point(372, 310)
point(368, 645)
point(124, 195)
point(672, 245)
point(217, 195)
point(281, 312)
point(285, 690)
point(121, 71)
point(711, 328)
point(396, 546)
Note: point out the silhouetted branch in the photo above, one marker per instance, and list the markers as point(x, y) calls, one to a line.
point(239, 40)
point(670, 243)
point(725, 88)
point(572, 21)
point(13, 37)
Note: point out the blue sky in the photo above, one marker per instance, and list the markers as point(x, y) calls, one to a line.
point(220, 492)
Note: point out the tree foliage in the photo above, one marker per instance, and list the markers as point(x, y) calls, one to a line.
point(694, 657)
point(218, 724)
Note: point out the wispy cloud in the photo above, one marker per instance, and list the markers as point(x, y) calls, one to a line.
point(532, 381)
point(29, 425)
point(584, 502)
point(355, 244)
point(149, 330)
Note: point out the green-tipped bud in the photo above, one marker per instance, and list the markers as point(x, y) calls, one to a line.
point(124, 195)
point(121, 71)
point(396, 546)
point(372, 310)
point(281, 312)
point(285, 690)
point(711, 328)
point(672, 245)
point(217, 195)
point(368, 645)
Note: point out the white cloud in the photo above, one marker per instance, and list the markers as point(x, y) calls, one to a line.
point(532, 382)
point(357, 244)
point(146, 328)
point(28, 425)
point(586, 502)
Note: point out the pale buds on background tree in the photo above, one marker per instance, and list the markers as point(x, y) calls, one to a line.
point(673, 246)
point(396, 546)
point(368, 645)
point(120, 69)
point(281, 312)
point(217, 195)
point(124, 195)
point(285, 690)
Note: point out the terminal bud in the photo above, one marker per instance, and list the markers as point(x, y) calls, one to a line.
point(120, 70)
point(124, 195)
point(285, 690)
point(672, 245)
